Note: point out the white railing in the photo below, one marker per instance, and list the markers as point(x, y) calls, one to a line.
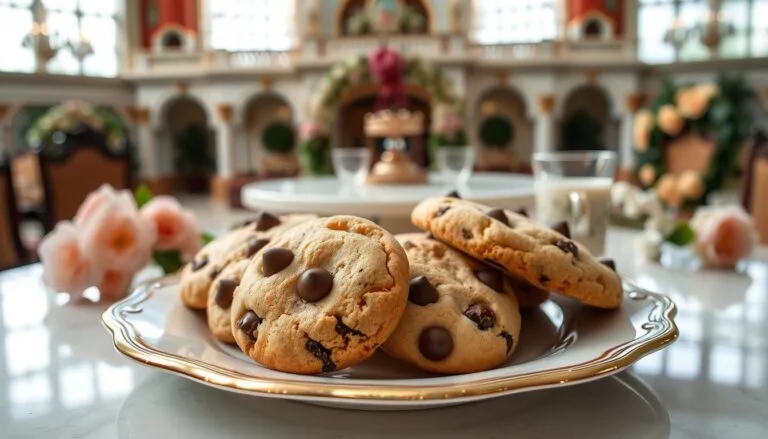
point(336, 49)
point(515, 51)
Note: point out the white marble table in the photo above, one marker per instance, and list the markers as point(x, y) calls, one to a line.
point(327, 196)
point(61, 378)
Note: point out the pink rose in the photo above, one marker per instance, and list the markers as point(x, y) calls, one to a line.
point(65, 266)
point(174, 225)
point(309, 130)
point(93, 202)
point(724, 235)
point(116, 237)
point(692, 102)
point(115, 284)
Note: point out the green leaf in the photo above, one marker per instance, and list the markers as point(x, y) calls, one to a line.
point(170, 261)
point(682, 235)
point(207, 237)
point(143, 195)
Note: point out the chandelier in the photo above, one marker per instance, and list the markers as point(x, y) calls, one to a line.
point(46, 45)
point(710, 32)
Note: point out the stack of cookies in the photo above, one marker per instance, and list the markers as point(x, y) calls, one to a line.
point(309, 295)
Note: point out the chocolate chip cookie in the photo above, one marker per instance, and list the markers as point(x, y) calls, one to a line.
point(321, 296)
point(544, 257)
point(240, 243)
point(220, 300)
point(458, 318)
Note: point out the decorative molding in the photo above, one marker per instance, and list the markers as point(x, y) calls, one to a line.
point(502, 77)
point(266, 83)
point(225, 112)
point(546, 103)
point(138, 115)
point(635, 101)
point(592, 75)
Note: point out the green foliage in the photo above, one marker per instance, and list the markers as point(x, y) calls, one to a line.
point(726, 119)
point(317, 155)
point(682, 235)
point(496, 131)
point(412, 21)
point(143, 195)
point(278, 137)
point(582, 131)
point(170, 261)
point(193, 156)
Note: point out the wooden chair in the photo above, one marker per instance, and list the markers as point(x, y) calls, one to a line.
point(75, 169)
point(11, 249)
point(755, 183)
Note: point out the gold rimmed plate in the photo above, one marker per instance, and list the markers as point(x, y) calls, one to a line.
point(561, 343)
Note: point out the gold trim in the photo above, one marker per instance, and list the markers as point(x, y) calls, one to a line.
point(659, 326)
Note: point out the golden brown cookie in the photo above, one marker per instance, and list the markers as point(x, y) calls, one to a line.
point(458, 318)
point(240, 243)
point(510, 241)
point(220, 300)
point(322, 296)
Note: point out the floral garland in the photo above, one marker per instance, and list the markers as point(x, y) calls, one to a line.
point(447, 118)
point(708, 109)
point(74, 115)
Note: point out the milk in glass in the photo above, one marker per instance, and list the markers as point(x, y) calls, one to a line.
point(584, 202)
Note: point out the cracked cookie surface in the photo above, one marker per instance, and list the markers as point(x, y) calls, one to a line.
point(460, 316)
point(541, 256)
point(240, 243)
point(220, 299)
point(322, 296)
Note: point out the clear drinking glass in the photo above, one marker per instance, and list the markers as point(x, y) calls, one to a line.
point(576, 187)
point(455, 163)
point(351, 164)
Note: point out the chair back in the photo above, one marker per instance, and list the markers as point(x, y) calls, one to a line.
point(77, 168)
point(11, 249)
point(755, 183)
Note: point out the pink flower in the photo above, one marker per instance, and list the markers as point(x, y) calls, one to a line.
point(115, 284)
point(93, 202)
point(175, 226)
point(309, 130)
point(65, 266)
point(116, 238)
point(724, 235)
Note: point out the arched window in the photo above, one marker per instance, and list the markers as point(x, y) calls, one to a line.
point(71, 24)
point(244, 25)
point(519, 21)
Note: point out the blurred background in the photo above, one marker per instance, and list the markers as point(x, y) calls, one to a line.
point(203, 96)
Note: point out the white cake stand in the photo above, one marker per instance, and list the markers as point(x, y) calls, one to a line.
point(390, 205)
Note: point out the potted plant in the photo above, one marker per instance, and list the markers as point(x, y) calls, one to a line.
point(193, 158)
point(279, 139)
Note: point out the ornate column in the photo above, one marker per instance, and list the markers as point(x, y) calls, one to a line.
point(146, 148)
point(225, 142)
point(633, 102)
point(544, 135)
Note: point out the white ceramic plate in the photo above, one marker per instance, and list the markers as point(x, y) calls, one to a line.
point(561, 343)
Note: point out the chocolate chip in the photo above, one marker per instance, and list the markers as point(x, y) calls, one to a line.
point(562, 228)
point(199, 263)
point(314, 284)
point(266, 221)
point(508, 338)
point(608, 263)
point(482, 315)
point(568, 246)
point(429, 235)
point(215, 272)
point(321, 353)
point(522, 211)
point(275, 259)
point(421, 291)
point(249, 323)
point(225, 289)
point(453, 194)
point(466, 234)
point(441, 211)
point(344, 330)
point(544, 280)
point(492, 278)
point(498, 215)
point(435, 343)
point(254, 245)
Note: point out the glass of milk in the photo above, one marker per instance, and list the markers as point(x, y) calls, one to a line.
point(575, 187)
